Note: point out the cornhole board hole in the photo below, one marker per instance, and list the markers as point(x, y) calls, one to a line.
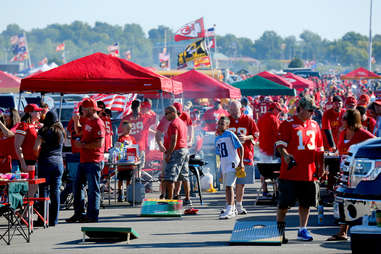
point(161, 208)
point(256, 233)
point(109, 233)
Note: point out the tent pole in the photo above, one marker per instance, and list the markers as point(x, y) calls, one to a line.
point(60, 111)
point(19, 103)
point(162, 101)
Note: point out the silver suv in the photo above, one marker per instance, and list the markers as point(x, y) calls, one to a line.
point(360, 182)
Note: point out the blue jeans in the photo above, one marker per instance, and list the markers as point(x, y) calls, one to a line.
point(90, 173)
point(51, 168)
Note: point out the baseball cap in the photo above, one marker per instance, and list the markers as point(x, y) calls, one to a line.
point(307, 103)
point(378, 102)
point(178, 107)
point(365, 98)
point(146, 104)
point(32, 107)
point(90, 103)
point(350, 100)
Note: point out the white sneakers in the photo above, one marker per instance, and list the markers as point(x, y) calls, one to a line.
point(228, 214)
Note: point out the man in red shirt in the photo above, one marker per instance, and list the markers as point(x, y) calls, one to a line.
point(247, 132)
point(91, 163)
point(300, 145)
point(331, 123)
point(176, 155)
point(268, 125)
point(140, 127)
point(212, 115)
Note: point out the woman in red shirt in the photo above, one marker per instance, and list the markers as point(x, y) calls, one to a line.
point(26, 135)
point(353, 133)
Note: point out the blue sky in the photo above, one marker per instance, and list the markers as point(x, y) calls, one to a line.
point(331, 19)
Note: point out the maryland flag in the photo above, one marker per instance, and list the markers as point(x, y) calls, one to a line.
point(201, 62)
point(60, 47)
point(193, 51)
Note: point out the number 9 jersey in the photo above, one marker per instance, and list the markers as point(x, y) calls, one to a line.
point(303, 140)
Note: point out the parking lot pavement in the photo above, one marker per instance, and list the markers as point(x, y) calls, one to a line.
point(202, 233)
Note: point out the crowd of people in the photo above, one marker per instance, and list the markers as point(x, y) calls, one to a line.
point(299, 129)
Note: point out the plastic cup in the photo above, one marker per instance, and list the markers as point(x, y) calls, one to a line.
point(31, 174)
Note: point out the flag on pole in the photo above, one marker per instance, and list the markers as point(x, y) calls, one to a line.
point(113, 49)
point(14, 39)
point(60, 47)
point(201, 62)
point(127, 55)
point(164, 59)
point(19, 57)
point(191, 30)
point(193, 51)
point(43, 61)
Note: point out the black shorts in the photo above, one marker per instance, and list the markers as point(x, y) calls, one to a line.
point(306, 193)
point(125, 175)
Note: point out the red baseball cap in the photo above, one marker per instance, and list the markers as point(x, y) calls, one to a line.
point(365, 98)
point(146, 104)
point(90, 103)
point(350, 100)
point(32, 107)
point(378, 102)
point(179, 107)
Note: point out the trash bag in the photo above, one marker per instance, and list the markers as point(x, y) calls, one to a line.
point(206, 181)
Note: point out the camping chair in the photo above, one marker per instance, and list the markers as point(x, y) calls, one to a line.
point(16, 211)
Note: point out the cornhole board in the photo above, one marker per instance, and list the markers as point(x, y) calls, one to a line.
point(161, 208)
point(109, 233)
point(256, 233)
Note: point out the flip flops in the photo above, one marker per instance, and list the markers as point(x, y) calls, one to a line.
point(190, 211)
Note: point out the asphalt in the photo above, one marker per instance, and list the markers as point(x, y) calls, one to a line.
point(201, 233)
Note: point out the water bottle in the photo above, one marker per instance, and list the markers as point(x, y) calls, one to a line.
point(18, 173)
point(320, 214)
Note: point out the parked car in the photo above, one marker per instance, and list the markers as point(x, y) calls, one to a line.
point(11, 100)
point(360, 182)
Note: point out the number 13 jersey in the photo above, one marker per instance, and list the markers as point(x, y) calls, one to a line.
point(304, 141)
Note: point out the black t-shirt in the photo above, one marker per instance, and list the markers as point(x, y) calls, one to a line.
point(51, 144)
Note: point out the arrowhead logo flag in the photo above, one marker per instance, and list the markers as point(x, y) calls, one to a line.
point(193, 51)
point(60, 47)
point(191, 30)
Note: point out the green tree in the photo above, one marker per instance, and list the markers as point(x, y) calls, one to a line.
point(268, 46)
point(296, 63)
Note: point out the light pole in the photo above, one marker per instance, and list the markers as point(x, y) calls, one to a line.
point(370, 38)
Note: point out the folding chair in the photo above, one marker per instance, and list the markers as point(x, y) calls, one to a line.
point(17, 212)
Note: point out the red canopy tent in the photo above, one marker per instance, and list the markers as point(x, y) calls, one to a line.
point(100, 73)
point(9, 83)
point(276, 78)
point(298, 82)
point(361, 73)
point(200, 85)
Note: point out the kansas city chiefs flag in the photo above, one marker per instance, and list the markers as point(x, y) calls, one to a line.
point(191, 30)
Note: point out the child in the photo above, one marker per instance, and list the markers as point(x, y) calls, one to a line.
point(124, 173)
point(230, 151)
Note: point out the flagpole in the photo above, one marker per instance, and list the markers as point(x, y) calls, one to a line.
point(370, 38)
point(215, 46)
point(27, 50)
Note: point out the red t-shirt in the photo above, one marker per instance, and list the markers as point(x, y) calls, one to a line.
point(92, 129)
point(245, 125)
point(359, 136)
point(332, 120)
point(140, 128)
point(186, 118)
point(212, 115)
point(303, 140)
point(109, 133)
point(7, 145)
point(177, 126)
point(369, 124)
point(29, 131)
point(130, 139)
point(74, 135)
point(268, 126)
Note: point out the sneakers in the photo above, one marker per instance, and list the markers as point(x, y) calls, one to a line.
point(228, 214)
point(304, 235)
point(187, 202)
point(241, 210)
point(74, 218)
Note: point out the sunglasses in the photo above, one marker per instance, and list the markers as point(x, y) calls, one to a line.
point(167, 113)
point(125, 123)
